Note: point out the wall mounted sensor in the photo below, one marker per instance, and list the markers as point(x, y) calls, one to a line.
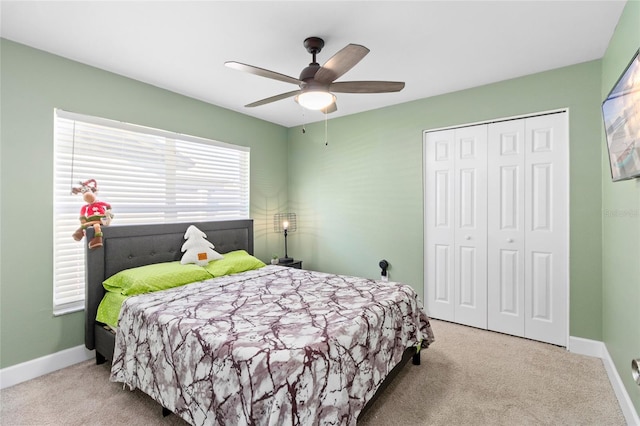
point(384, 265)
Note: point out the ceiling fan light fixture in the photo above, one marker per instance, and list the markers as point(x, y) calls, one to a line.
point(315, 81)
point(316, 99)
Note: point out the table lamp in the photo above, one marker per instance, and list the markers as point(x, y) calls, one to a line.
point(285, 222)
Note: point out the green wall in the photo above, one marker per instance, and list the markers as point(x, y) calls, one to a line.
point(621, 225)
point(33, 83)
point(360, 198)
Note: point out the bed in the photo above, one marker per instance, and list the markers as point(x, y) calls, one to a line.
point(269, 345)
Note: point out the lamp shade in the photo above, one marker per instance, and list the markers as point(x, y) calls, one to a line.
point(315, 99)
point(285, 221)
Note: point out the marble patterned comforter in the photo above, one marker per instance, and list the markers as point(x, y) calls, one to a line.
point(273, 346)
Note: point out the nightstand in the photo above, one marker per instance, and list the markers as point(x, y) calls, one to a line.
point(295, 264)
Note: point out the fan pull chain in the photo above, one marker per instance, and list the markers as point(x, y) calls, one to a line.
point(304, 124)
point(326, 139)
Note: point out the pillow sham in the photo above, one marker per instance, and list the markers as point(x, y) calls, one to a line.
point(109, 308)
point(158, 276)
point(234, 262)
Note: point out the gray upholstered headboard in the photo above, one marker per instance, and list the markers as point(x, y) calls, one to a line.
point(130, 246)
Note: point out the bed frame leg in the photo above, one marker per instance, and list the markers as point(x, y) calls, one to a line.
point(100, 359)
point(416, 356)
point(165, 412)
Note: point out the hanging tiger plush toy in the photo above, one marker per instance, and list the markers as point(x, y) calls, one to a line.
point(93, 214)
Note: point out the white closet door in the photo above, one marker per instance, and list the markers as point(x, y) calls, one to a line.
point(505, 286)
point(496, 226)
point(546, 224)
point(470, 216)
point(439, 224)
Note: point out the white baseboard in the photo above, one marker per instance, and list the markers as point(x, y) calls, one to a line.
point(580, 346)
point(598, 349)
point(626, 405)
point(40, 366)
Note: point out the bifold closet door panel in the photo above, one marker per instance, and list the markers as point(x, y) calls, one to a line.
point(546, 224)
point(505, 275)
point(439, 224)
point(496, 226)
point(470, 222)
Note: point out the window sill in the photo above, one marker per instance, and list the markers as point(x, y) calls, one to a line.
point(63, 310)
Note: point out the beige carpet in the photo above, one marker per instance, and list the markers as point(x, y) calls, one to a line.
point(467, 377)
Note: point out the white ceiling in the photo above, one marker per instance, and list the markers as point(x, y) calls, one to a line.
point(436, 47)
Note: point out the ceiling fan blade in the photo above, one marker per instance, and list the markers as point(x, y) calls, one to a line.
point(366, 86)
point(273, 99)
point(340, 63)
point(262, 72)
point(331, 108)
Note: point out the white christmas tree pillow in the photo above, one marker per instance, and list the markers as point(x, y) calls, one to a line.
point(197, 249)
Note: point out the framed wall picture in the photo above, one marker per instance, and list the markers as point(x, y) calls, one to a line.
point(621, 115)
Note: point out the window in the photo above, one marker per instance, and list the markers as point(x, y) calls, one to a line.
point(147, 175)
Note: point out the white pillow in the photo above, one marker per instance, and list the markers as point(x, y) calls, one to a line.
point(197, 249)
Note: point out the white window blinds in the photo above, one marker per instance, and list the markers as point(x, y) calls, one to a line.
point(147, 175)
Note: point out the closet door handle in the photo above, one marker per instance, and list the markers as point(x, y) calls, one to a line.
point(509, 240)
point(467, 237)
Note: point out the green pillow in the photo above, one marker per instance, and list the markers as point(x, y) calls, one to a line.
point(158, 276)
point(109, 308)
point(233, 262)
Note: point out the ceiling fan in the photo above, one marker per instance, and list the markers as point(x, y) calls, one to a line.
point(316, 83)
